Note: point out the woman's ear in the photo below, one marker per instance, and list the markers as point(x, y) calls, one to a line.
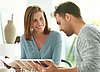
point(67, 17)
point(31, 29)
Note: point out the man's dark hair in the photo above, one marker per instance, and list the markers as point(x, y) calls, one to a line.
point(68, 7)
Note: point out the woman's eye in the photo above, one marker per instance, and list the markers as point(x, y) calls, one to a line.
point(34, 20)
point(41, 18)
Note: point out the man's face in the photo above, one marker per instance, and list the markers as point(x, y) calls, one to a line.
point(64, 25)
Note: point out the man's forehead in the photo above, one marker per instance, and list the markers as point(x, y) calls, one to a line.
point(58, 16)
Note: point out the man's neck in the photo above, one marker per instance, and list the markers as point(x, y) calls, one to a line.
point(77, 25)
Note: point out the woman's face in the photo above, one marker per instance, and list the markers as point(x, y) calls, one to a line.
point(38, 22)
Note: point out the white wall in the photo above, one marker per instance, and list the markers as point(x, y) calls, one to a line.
point(10, 50)
point(17, 7)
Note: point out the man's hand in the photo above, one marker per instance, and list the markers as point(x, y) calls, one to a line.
point(51, 67)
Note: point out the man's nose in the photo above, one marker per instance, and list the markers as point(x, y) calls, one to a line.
point(60, 28)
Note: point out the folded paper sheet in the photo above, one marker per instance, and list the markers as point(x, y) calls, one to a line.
point(23, 63)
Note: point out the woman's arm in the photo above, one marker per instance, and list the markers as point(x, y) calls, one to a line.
point(57, 49)
point(22, 45)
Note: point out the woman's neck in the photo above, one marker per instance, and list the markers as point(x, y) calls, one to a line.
point(40, 38)
point(38, 35)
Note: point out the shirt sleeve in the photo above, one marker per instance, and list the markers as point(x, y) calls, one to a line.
point(89, 50)
point(57, 49)
point(22, 44)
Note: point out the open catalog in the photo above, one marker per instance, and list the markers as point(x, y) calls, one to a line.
point(22, 63)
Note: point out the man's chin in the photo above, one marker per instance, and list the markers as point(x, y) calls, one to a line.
point(65, 33)
point(68, 35)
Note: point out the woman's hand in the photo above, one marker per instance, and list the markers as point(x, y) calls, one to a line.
point(7, 66)
point(15, 66)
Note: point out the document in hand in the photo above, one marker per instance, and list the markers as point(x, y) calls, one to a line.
point(8, 62)
point(23, 63)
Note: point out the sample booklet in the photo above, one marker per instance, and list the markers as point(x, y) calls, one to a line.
point(22, 63)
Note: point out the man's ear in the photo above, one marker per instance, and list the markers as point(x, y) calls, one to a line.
point(67, 17)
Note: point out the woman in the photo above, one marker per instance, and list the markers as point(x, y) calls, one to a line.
point(38, 41)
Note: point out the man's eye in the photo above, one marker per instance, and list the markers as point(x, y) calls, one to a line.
point(58, 23)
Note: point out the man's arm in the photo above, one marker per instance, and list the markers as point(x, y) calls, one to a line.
point(53, 68)
point(68, 70)
point(88, 50)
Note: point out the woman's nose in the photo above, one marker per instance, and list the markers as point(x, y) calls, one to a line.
point(39, 22)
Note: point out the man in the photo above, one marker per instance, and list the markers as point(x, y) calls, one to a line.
point(69, 19)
